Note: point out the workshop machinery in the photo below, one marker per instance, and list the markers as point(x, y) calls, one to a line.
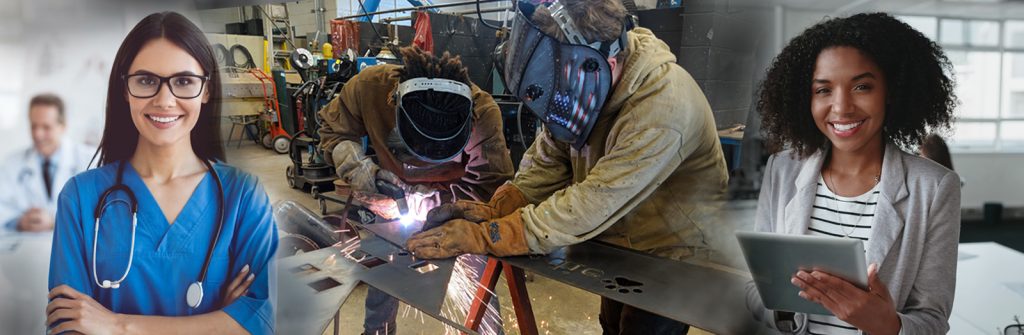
point(322, 80)
point(276, 137)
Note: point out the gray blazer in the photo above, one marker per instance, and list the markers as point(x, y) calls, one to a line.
point(914, 239)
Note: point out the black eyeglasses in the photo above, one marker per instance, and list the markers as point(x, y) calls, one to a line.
point(1014, 329)
point(147, 85)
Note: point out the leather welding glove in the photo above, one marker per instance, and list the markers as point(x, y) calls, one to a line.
point(504, 236)
point(380, 204)
point(361, 174)
point(354, 167)
point(506, 199)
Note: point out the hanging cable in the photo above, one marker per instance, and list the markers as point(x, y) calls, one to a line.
point(481, 17)
point(249, 63)
point(387, 44)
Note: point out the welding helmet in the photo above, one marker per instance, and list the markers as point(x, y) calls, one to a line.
point(433, 122)
point(564, 84)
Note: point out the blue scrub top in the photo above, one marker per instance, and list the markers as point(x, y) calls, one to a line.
point(168, 257)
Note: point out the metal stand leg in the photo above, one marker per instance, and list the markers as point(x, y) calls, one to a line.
point(520, 299)
point(232, 132)
point(337, 322)
point(517, 289)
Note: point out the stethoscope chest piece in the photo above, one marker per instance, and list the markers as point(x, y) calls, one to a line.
point(194, 295)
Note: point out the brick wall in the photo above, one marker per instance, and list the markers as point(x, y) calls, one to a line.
point(714, 42)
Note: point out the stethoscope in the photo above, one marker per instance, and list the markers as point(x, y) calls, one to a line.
point(194, 294)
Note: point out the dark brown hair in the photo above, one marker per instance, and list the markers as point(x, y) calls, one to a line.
point(934, 148)
point(49, 99)
point(120, 137)
point(596, 20)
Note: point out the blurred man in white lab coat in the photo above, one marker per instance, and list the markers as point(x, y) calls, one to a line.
point(31, 178)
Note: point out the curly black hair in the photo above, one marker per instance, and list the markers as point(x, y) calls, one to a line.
point(919, 94)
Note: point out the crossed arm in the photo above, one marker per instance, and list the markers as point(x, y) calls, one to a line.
point(80, 313)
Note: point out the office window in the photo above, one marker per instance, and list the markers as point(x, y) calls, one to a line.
point(1013, 85)
point(1014, 35)
point(973, 135)
point(988, 65)
point(977, 83)
point(925, 24)
point(1012, 133)
point(969, 32)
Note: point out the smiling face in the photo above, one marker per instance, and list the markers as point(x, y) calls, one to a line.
point(47, 128)
point(848, 99)
point(164, 119)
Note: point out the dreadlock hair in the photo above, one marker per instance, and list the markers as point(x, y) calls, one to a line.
point(419, 63)
point(437, 114)
point(919, 94)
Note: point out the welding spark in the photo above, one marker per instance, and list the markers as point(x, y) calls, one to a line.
point(329, 260)
point(407, 219)
point(461, 294)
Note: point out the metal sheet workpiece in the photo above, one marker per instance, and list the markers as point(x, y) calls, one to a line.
point(311, 288)
point(709, 297)
point(422, 284)
point(314, 285)
point(706, 296)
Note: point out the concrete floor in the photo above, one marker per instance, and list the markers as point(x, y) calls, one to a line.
point(558, 308)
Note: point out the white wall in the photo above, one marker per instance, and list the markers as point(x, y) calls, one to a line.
point(12, 54)
point(988, 177)
point(215, 19)
point(796, 20)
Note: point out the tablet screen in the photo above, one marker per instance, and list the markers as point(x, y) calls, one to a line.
point(774, 258)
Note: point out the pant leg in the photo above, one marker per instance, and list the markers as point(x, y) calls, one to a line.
point(635, 321)
point(620, 319)
point(611, 312)
point(381, 312)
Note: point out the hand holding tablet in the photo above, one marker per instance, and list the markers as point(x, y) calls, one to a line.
point(774, 259)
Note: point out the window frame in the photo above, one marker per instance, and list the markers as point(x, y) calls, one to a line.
point(1003, 51)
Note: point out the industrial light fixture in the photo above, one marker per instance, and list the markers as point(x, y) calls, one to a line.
point(385, 53)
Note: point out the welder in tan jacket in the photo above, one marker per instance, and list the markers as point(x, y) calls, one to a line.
point(436, 135)
point(629, 153)
point(438, 142)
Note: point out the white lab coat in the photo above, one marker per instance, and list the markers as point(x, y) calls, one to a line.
point(21, 179)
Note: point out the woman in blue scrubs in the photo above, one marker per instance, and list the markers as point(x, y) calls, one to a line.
point(161, 143)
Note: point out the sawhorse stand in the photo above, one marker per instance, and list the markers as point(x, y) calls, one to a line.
point(517, 289)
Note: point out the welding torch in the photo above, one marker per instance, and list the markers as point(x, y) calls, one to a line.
point(393, 191)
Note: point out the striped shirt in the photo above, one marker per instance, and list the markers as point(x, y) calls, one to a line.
point(838, 216)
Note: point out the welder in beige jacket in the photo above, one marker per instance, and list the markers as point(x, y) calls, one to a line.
point(469, 165)
point(649, 176)
point(435, 134)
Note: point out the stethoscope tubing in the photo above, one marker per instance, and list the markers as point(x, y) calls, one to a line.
point(133, 204)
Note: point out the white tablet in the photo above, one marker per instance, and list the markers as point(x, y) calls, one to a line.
point(774, 258)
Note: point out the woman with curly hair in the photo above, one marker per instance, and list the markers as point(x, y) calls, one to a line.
point(847, 97)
